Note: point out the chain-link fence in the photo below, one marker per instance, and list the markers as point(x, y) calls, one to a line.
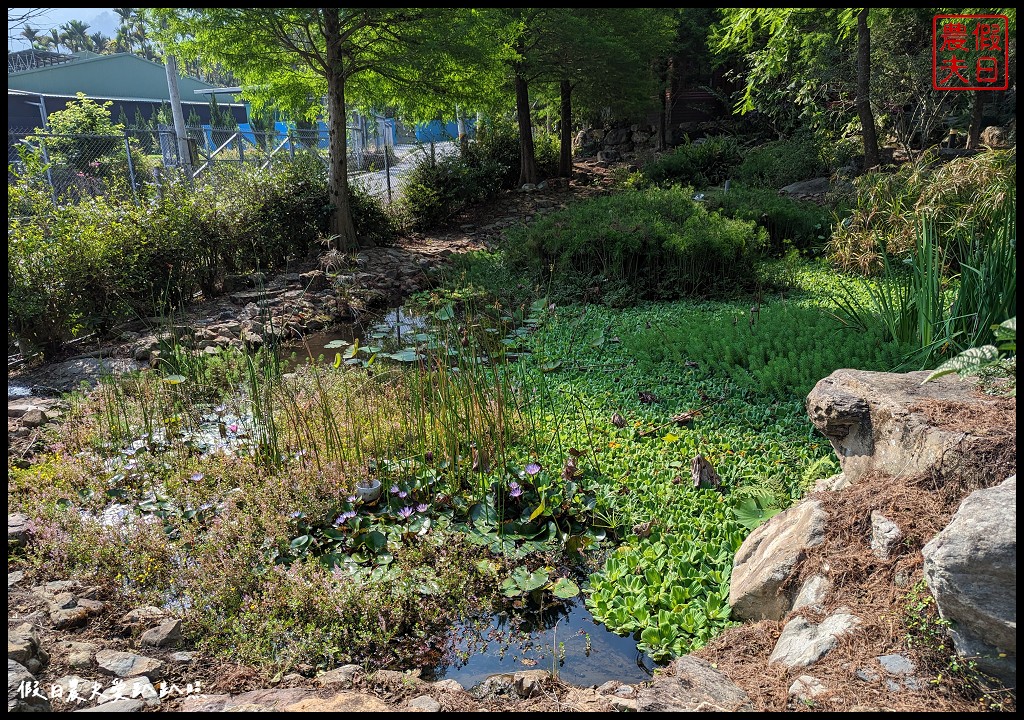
point(82, 166)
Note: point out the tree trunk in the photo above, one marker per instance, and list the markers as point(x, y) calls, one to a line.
point(342, 229)
point(667, 104)
point(977, 118)
point(527, 159)
point(565, 131)
point(867, 118)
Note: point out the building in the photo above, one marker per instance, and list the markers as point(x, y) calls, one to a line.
point(39, 83)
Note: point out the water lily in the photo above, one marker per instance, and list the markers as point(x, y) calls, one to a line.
point(402, 493)
point(514, 489)
point(422, 508)
point(532, 469)
point(394, 489)
point(233, 427)
point(405, 512)
point(197, 476)
point(296, 515)
point(344, 517)
point(351, 498)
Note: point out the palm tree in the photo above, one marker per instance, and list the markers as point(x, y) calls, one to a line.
point(31, 34)
point(99, 42)
point(75, 35)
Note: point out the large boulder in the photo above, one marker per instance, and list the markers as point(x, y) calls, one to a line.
point(768, 557)
point(971, 569)
point(690, 684)
point(896, 424)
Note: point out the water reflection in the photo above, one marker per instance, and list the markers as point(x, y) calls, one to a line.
point(564, 639)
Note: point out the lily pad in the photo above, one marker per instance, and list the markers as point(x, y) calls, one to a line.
point(565, 588)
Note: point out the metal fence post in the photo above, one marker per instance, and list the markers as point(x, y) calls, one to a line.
point(291, 146)
point(387, 169)
point(241, 150)
point(131, 166)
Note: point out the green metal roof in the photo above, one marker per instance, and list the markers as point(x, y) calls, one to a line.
point(104, 76)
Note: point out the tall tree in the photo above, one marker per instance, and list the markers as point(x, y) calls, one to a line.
point(292, 57)
point(75, 35)
point(798, 59)
point(606, 56)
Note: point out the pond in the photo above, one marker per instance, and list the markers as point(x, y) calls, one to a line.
point(565, 640)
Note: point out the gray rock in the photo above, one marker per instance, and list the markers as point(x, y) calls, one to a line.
point(342, 677)
point(19, 530)
point(168, 633)
point(885, 535)
point(23, 691)
point(813, 593)
point(530, 683)
point(141, 617)
point(891, 423)
point(971, 570)
point(184, 657)
point(135, 688)
point(816, 186)
point(126, 665)
point(23, 647)
point(13, 578)
point(424, 703)
point(621, 704)
point(768, 556)
point(805, 688)
point(896, 664)
point(117, 706)
point(449, 685)
point(34, 418)
point(803, 643)
point(691, 684)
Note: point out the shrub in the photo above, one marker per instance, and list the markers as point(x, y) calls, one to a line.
point(800, 224)
point(706, 162)
point(961, 196)
point(781, 162)
point(640, 244)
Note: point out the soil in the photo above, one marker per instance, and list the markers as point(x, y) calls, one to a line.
point(875, 590)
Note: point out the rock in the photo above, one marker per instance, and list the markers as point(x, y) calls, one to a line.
point(19, 530)
point(34, 418)
point(23, 691)
point(501, 685)
point(893, 424)
point(75, 616)
point(620, 704)
point(995, 136)
point(141, 617)
point(182, 658)
point(768, 556)
point(78, 654)
point(816, 186)
point(13, 578)
point(342, 677)
point(117, 706)
point(449, 685)
point(691, 684)
point(971, 570)
point(896, 664)
point(124, 664)
point(813, 593)
point(135, 688)
point(885, 535)
point(23, 647)
point(424, 703)
point(168, 633)
point(530, 683)
point(609, 156)
point(803, 643)
point(805, 688)
point(286, 700)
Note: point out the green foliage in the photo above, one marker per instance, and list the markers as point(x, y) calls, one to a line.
point(962, 197)
point(782, 162)
point(780, 351)
point(702, 163)
point(107, 260)
point(434, 191)
point(87, 152)
point(640, 244)
point(973, 361)
point(918, 306)
point(789, 223)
